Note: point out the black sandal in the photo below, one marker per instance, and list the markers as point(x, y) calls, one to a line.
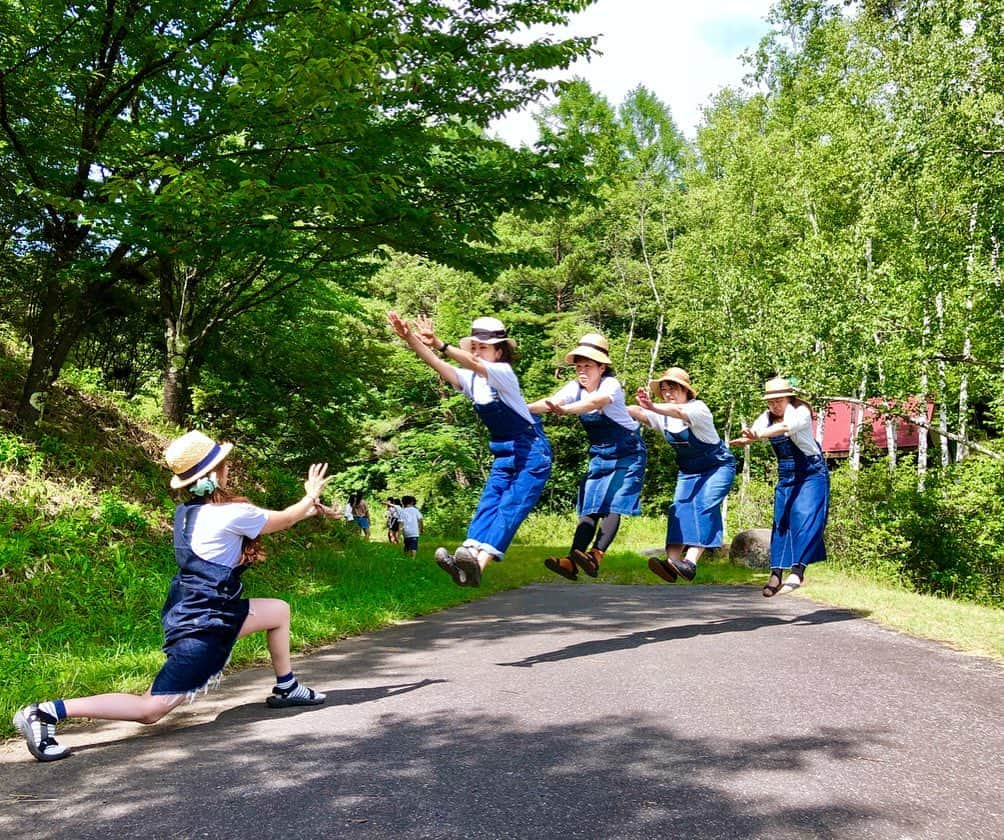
point(770, 590)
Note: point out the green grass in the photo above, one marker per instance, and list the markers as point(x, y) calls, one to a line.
point(969, 628)
point(340, 586)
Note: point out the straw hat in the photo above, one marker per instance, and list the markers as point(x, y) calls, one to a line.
point(592, 346)
point(487, 331)
point(778, 387)
point(192, 456)
point(674, 374)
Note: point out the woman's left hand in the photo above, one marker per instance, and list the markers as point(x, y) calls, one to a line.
point(427, 332)
point(643, 399)
point(555, 408)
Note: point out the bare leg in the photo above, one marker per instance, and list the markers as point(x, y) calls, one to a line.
point(674, 552)
point(141, 708)
point(694, 553)
point(272, 616)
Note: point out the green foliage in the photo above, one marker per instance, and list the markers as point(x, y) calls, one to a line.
point(945, 540)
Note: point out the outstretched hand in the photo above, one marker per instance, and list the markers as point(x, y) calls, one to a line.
point(316, 480)
point(643, 399)
point(330, 512)
point(554, 408)
point(426, 331)
point(399, 325)
point(747, 437)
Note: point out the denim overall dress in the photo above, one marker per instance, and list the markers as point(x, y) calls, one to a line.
point(616, 471)
point(801, 506)
point(521, 467)
point(202, 615)
point(706, 473)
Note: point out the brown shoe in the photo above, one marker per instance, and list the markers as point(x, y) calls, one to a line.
point(562, 566)
point(588, 561)
point(662, 569)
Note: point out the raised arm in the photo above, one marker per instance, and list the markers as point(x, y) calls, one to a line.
point(467, 360)
point(421, 340)
point(280, 520)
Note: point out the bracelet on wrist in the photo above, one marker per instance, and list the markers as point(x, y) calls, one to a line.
point(443, 348)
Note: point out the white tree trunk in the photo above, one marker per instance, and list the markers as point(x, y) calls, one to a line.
point(922, 434)
point(961, 450)
point(857, 421)
point(946, 458)
point(890, 420)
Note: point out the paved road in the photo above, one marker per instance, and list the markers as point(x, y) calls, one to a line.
point(561, 711)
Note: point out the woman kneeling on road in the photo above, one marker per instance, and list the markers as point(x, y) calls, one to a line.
point(216, 537)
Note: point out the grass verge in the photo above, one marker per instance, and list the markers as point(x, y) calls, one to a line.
point(340, 586)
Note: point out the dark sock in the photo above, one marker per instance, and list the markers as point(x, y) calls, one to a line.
point(609, 526)
point(799, 570)
point(583, 533)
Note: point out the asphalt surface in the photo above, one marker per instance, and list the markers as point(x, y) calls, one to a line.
point(560, 711)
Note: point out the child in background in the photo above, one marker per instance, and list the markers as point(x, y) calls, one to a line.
point(411, 525)
point(361, 514)
point(393, 520)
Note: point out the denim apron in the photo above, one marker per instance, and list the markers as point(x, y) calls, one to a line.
point(616, 470)
point(706, 473)
point(521, 467)
point(801, 506)
point(202, 615)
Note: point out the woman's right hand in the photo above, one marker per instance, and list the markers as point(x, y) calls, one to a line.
point(643, 399)
point(399, 325)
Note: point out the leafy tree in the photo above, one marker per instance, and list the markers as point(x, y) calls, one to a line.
point(226, 150)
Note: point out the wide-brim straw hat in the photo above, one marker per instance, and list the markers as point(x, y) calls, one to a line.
point(778, 387)
point(591, 346)
point(192, 456)
point(487, 331)
point(673, 374)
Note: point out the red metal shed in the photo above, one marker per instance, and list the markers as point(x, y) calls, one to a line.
point(841, 416)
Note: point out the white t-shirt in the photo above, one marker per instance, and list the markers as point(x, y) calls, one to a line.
point(799, 421)
point(699, 421)
point(218, 531)
point(609, 386)
point(499, 376)
point(410, 517)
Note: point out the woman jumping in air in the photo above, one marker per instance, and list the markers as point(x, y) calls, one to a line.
point(522, 455)
point(612, 484)
point(802, 492)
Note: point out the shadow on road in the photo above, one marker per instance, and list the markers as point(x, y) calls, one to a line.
point(674, 632)
point(256, 711)
point(444, 777)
